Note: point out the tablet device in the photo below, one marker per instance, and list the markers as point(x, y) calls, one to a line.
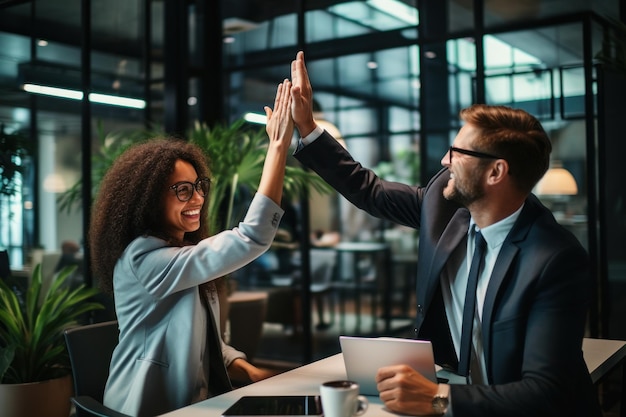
point(363, 356)
point(276, 405)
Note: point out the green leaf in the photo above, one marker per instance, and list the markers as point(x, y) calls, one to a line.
point(6, 357)
point(10, 314)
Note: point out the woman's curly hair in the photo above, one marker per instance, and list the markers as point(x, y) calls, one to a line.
point(129, 203)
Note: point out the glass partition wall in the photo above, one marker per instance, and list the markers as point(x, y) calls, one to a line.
point(389, 78)
point(71, 82)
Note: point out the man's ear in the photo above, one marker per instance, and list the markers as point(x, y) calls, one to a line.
point(498, 171)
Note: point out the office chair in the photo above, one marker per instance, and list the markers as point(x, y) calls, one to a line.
point(90, 348)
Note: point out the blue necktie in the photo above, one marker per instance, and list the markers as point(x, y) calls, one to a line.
point(470, 304)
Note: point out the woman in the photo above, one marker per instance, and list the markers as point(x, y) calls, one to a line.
point(150, 246)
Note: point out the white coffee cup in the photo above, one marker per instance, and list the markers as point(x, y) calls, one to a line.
point(342, 399)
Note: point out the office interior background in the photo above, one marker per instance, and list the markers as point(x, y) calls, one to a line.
point(389, 75)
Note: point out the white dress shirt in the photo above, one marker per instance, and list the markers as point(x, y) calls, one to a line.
point(454, 281)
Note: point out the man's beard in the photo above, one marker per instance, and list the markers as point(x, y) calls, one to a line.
point(467, 191)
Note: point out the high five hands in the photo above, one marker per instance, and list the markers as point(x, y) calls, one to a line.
point(301, 97)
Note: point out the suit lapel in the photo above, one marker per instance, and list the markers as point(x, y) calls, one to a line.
point(450, 238)
point(508, 252)
point(505, 258)
point(432, 320)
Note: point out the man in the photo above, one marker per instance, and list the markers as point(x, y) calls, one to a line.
point(525, 345)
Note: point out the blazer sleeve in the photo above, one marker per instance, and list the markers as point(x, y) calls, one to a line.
point(399, 203)
point(164, 270)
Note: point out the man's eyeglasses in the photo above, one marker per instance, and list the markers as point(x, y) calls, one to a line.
point(184, 189)
point(469, 152)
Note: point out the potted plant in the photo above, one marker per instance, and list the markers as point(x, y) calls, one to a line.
point(35, 374)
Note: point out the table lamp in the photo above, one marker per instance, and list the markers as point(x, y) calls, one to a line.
point(555, 188)
point(557, 181)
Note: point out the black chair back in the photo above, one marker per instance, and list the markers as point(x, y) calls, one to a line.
point(90, 348)
point(5, 268)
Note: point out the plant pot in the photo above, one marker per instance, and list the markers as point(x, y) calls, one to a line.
point(49, 398)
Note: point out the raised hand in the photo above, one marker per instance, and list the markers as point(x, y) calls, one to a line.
point(279, 122)
point(302, 94)
point(279, 128)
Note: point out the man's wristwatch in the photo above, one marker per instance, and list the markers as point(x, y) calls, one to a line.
point(440, 400)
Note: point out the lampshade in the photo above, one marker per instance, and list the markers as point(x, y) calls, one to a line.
point(557, 181)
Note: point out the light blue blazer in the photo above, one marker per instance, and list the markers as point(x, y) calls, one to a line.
point(159, 365)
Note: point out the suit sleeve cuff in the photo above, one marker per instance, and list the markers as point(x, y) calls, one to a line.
point(310, 138)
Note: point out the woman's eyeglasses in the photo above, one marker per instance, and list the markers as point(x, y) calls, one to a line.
point(184, 189)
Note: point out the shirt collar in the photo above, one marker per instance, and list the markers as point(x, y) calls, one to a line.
point(494, 234)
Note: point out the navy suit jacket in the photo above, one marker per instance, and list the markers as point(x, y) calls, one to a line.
point(536, 302)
